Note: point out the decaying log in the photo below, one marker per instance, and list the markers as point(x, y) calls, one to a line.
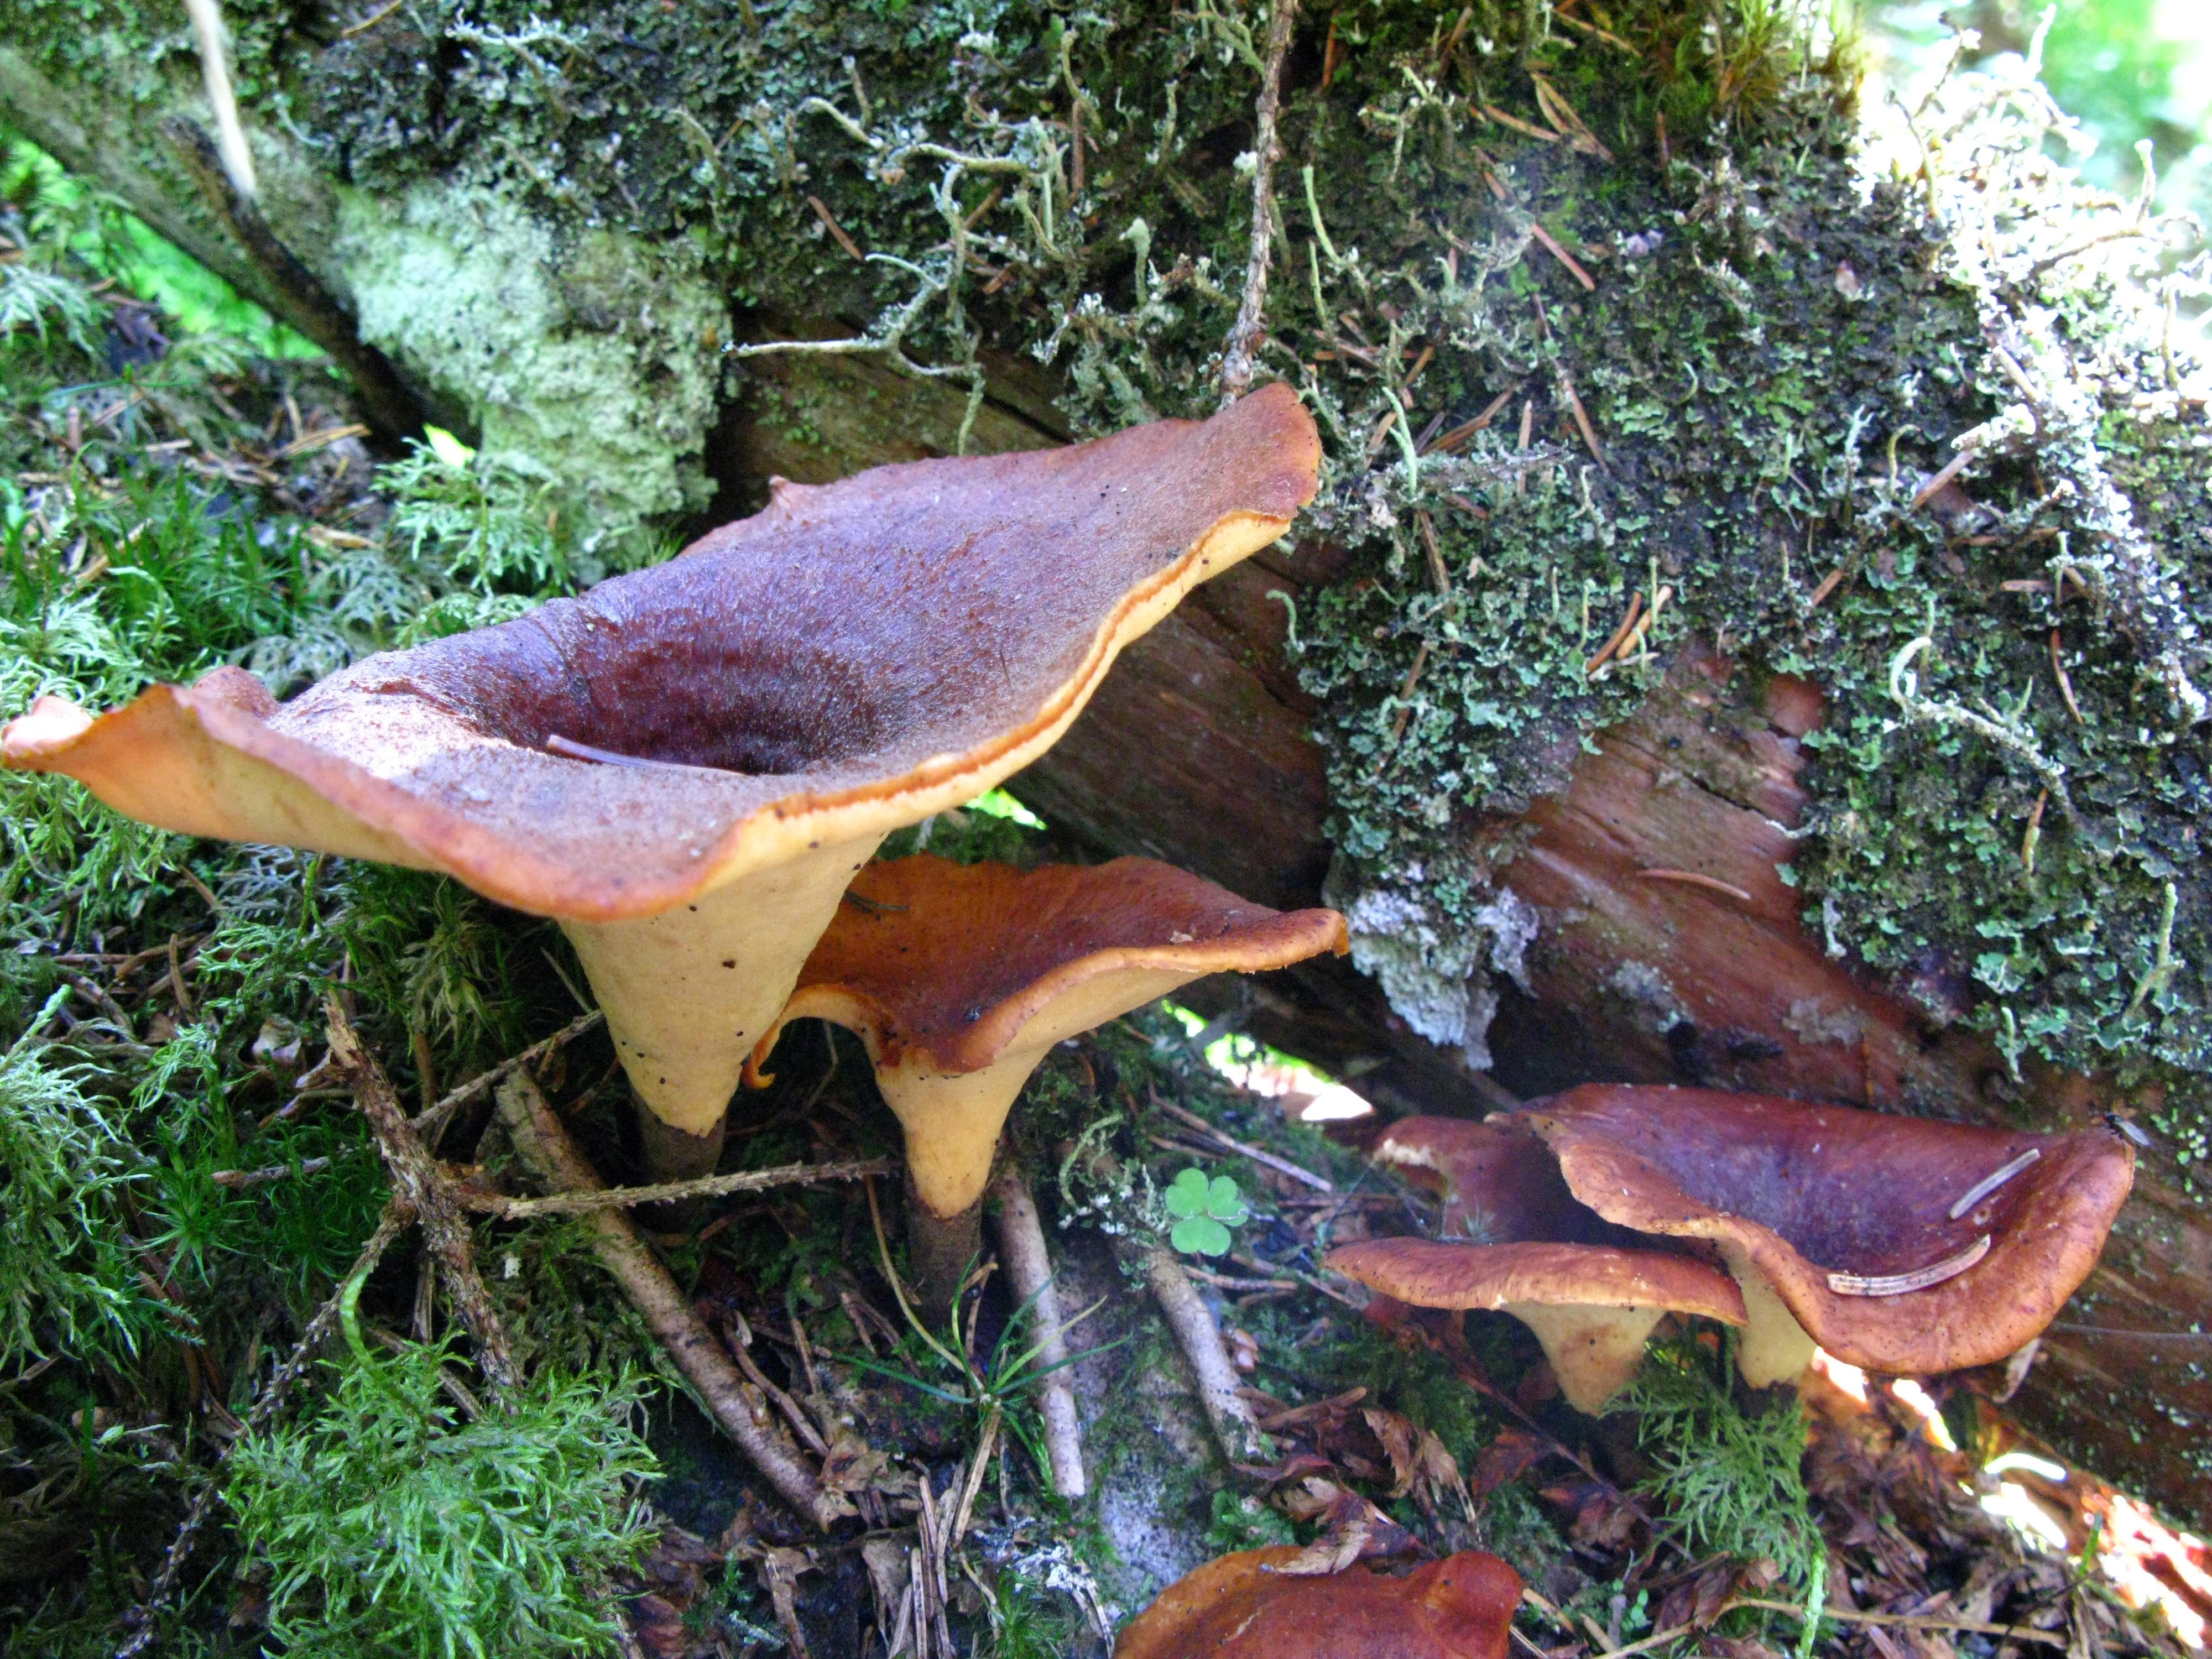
point(1196, 751)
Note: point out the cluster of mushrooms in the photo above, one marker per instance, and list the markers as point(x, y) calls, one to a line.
point(1898, 1244)
point(691, 767)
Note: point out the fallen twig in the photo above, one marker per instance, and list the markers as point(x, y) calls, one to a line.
point(271, 1172)
point(430, 1122)
point(428, 1190)
point(1283, 1166)
point(1905, 1620)
point(1238, 356)
point(1199, 1338)
point(741, 1410)
point(714, 1186)
point(1029, 1275)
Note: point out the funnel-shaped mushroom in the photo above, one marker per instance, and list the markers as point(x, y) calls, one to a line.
point(1246, 1605)
point(960, 977)
point(1897, 1244)
point(686, 765)
point(1590, 1291)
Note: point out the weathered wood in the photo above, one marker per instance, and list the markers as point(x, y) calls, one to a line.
point(1196, 751)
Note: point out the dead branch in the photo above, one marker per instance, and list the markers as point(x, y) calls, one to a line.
point(429, 1122)
point(1237, 358)
point(1028, 1272)
point(423, 1182)
point(1199, 1338)
point(556, 1164)
point(624, 1197)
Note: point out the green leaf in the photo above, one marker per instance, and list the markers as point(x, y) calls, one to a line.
point(1188, 1195)
point(1199, 1235)
point(449, 448)
point(1225, 1204)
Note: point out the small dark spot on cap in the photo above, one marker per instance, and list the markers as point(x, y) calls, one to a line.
point(811, 845)
point(729, 961)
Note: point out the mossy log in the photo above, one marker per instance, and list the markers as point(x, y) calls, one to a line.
point(1586, 316)
point(1198, 750)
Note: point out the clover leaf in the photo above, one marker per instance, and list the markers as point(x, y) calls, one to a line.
point(1204, 1211)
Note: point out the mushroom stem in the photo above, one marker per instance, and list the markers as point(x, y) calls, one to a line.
point(1200, 1338)
point(1774, 1347)
point(688, 992)
point(940, 1250)
point(1029, 1275)
point(556, 1165)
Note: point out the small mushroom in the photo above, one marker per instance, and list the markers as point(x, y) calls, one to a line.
point(1897, 1244)
point(686, 765)
point(1516, 1241)
point(1247, 1606)
point(960, 977)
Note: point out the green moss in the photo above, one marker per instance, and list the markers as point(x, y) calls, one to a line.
point(588, 362)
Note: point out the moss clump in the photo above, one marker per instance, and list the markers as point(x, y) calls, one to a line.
point(392, 1523)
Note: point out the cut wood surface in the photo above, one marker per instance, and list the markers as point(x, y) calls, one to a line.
point(1196, 751)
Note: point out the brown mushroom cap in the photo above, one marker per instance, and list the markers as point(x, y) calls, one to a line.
point(1497, 1180)
point(1592, 1306)
point(854, 658)
point(1833, 1209)
point(1591, 1291)
point(1244, 1607)
point(764, 710)
point(960, 977)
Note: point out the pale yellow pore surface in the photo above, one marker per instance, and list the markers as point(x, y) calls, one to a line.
point(688, 992)
point(953, 1119)
point(1594, 1350)
point(1773, 1348)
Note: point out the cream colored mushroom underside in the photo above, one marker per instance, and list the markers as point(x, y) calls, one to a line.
point(952, 1120)
point(1594, 1352)
point(1772, 1347)
point(688, 992)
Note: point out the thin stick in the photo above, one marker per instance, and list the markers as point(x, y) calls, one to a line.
point(214, 71)
point(554, 1163)
point(1693, 878)
point(423, 1183)
point(624, 1198)
point(1237, 358)
point(1582, 421)
point(428, 1123)
point(2065, 682)
point(1282, 1165)
point(1028, 1276)
point(1619, 633)
point(1199, 1338)
point(1989, 1183)
point(830, 223)
point(1951, 469)
point(1552, 246)
point(1828, 585)
point(1904, 1620)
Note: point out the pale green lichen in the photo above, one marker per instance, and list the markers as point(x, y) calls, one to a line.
point(591, 361)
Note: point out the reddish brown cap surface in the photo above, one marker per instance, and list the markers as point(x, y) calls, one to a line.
point(1805, 1193)
point(948, 962)
point(1500, 1183)
point(852, 658)
point(1460, 1607)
